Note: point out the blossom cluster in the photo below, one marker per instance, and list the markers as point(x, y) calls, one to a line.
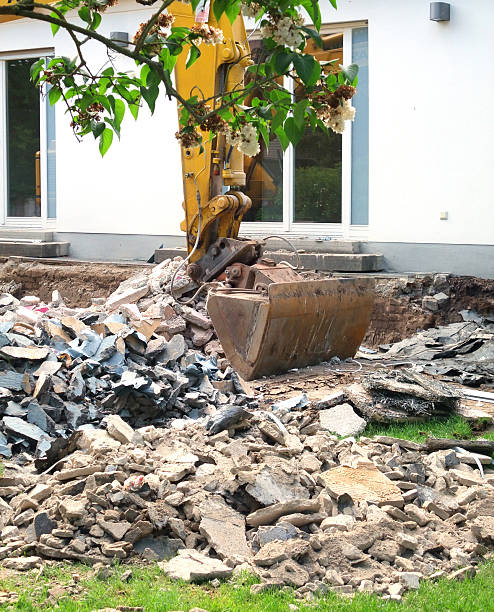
point(245, 139)
point(334, 108)
point(156, 35)
point(208, 34)
point(284, 30)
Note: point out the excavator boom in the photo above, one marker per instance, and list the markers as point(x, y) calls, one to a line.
point(268, 319)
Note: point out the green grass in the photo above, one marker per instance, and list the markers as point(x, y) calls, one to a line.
point(454, 427)
point(155, 593)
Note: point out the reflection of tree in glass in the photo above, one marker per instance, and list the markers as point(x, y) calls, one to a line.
point(23, 138)
point(318, 178)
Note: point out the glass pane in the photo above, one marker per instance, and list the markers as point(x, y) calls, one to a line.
point(51, 167)
point(360, 131)
point(264, 173)
point(318, 156)
point(23, 138)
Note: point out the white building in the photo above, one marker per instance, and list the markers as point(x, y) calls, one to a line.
point(412, 178)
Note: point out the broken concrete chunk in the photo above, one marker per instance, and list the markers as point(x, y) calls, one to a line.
point(363, 483)
point(31, 353)
point(126, 297)
point(121, 431)
point(193, 566)
point(224, 529)
point(267, 516)
point(342, 421)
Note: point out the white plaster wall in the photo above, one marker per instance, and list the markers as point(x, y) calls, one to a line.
point(137, 187)
point(431, 131)
point(431, 128)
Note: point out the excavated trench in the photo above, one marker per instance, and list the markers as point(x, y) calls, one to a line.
point(398, 312)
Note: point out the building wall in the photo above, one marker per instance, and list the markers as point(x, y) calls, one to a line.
point(430, 131)
point(136, 188)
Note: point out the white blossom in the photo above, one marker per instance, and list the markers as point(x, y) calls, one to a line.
point(285, 31)
point(245, 140)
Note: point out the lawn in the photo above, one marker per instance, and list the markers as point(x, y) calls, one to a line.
point(155, 593)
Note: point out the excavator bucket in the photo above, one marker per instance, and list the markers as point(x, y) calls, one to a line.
point(296, 324)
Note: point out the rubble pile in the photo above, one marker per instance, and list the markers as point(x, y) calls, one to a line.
point(462, 352)
point(141, 354)
point(273, 493)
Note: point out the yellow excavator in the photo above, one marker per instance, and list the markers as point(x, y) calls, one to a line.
point(267, 317)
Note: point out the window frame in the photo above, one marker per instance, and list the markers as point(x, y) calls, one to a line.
point(288, 225)
point(23, 222)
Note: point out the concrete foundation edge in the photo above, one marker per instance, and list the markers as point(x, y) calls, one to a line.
point(461, 259)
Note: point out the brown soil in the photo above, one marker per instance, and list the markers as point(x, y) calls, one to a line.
point(397, 313)
point(76, 282)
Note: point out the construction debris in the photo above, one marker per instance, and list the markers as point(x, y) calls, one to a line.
point(462, 352)
point(376, 515)
point(138, 354)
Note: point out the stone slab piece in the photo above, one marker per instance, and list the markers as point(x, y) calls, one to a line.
point(193, 566)
point(275, 486)
point(22, 563)
point(31, 353)
point(48, 367)
point(342, 420)
point(26, 430)
point(126, 297)
point(267, 516)
point(121, 431)
point(224, 529)
point(362, 483)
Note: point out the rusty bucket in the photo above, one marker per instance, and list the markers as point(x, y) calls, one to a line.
point(294, 325)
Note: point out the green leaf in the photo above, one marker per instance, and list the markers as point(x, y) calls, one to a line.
point(119, 111)
point(282, 137)
point(96, 21)
point(153, 79)
point(85, 14)
point(350, 72)
point(97, 127)
point(232, 10)
point(105, 141)
point(293, 131)
point(36, 68)
point(54, 26)
point(145, 70)
point(313, 10)
point(149, 95)
point(194, 55)
point(219, 7)
point(134, 105)
point(54, 95)
point(281, 61)
point(308, 68)
point(264, 133)
point(278, 119)
point(333, 2)
point(316, 37)
point(299, 113)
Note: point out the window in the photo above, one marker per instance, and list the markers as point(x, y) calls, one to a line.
point(319, 187)
point(27, 144)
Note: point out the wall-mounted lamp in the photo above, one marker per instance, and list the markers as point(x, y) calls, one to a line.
point(120, 38)
point(440, 11)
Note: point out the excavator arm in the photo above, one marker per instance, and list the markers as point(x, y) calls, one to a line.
point(267, 317)
point(211, 212)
